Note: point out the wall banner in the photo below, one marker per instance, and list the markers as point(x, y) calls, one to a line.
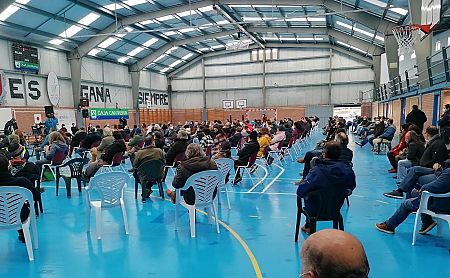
point(107, 113)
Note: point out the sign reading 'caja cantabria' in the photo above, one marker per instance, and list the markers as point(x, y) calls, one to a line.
point(107, 113)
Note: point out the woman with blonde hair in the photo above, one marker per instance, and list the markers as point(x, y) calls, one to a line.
point(57, 145)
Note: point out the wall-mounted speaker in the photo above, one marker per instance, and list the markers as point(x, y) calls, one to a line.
point(48, 110)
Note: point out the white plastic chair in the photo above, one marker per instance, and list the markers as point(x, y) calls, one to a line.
point(423, 208)
point(225, 166)
point(12, 199)
point(204, 183)
point(109, 187)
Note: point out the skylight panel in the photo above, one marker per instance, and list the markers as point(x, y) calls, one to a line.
point(87, 20)
point(135, 51)
point(187, 56)
point(171, 50)
point(150, 42)
point(159, 58)
point(146, 22)
point(204, 49)
point(206, 9)
point(122, 59)
point(187, 30)
point(113, 6)
point(187, 13)
point(310, 39)
point(123, 32)
point(222, 22)
point(217, 46)
point(165, 70)
point(56, 41)
point(107, 42)
point(94, 52)
point(71, 31)
point(11, 9)
point(377, 3)
point(170, 33)
point(165, 18)
point(176, 63)
point(399, 11)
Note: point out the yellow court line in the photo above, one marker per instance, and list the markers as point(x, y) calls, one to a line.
point(244, 245)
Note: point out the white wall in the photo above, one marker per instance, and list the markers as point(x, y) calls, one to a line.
point(96, 75)
point(294, 79)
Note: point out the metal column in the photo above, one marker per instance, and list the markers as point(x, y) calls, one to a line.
point(204, 117)
point(330, 77)
point(264, 94)
point(135, 80)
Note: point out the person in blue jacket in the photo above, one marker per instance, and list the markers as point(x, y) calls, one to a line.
point(50, 123)
point(387, 135)
point(329, 173)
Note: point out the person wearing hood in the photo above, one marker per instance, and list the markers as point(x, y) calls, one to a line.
point(444, 124)
point(196, 161)
point(329, 173)
point(416, 117)
point(249, 149)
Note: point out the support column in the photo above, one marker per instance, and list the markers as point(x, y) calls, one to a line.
point(75, 72)
point(264, 89)
point(169, 91)
point(135, 79)
point(330, 72)
point(377, 75)
point(204, 116)
point(391, 47)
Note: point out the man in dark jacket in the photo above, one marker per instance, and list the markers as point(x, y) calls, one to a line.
point(328, 173)
point(236, 137)
point(444, 124)
point(92, 139)
point(249, 149)
point(196, 161)
point(432, 160)
point(439, 184)
point(11, 126)
point(178, 147)
point(416, 117)
point(8, 180)
point(377, 131)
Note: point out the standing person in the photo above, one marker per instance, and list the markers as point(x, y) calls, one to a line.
point(122, 123)
point(50, 123)
point(444, 124)
point(11, 125)
point(416, 117)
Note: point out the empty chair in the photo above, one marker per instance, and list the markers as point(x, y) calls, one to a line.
point(12, 199)
point(109, 188)
point(224, 165)
point(149, 172)
point(204, 184)
point(287, 150)
point(423, 208)
point(75, 172)
point(329, 203)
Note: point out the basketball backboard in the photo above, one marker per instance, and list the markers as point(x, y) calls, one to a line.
point(431, 12)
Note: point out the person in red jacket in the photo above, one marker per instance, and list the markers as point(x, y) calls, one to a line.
point(395, 151)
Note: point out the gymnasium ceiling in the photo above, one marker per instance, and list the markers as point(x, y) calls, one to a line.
point(164, 35)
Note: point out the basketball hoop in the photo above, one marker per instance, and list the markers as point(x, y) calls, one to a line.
point(238, 44)
point(407, 36)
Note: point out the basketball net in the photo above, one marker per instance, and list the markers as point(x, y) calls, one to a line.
point(407, 36)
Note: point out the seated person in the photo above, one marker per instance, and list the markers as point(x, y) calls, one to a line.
point(333, 253)
point(137, 140)
point(77, 138)
point(207, 141)
point(196, 161)
point(236, 136)
point(278, 138)
point(8, 180)
point(57, 145)
point(92, 139)
point(438, 183)
point(395, 151)
point(19, 154)
point(264, 141)
point(178, 147)
point(387, 135)
point(118, 146)
point(377, 131)
point(414, 152)
point(249, 149)
point(147, 153)
point(107, 140)
point(432, 159)
point(224, 151)
point(328, 173)
point(42, 146)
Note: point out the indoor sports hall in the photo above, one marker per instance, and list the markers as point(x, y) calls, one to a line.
point(225, 138)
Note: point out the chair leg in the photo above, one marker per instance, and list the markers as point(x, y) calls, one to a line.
point(124, 214)
point(341, 222)
point(348, 203)
point(297, 224)
point(439, 227)
point(161, 189)
point(336, 224)
point(136, 186)
point(68, 182)
point(29, 244)
point(312, 226)
point(98, 222)
point(228, 196)
point(416, 226)
point(88, 219)
point(79, 184)
point(192, 221)
point(215, 217)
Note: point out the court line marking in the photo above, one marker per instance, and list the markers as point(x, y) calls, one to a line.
point(261, 181)
point(383, 202)
point(275, 179)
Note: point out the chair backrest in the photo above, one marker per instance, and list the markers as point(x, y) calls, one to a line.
point(58, 158)
point(117, 159)
point(151, 170)
point(204, 183)
point(76, 166)
point(12, 199)
point(110, 187)
point(329, 203)
point(224, 166)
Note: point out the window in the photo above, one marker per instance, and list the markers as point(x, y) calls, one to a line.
point(258, 55)
point(438, 46)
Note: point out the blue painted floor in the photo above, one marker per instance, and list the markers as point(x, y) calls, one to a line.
point(263, 219)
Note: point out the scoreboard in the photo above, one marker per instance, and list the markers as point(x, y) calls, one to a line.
point(25, 58)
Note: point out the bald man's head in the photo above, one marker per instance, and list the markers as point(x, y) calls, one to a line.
point(334, 254)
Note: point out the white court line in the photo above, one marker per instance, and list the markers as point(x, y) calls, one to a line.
point(383, 202)
point(260, 182)
point(275, 179)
